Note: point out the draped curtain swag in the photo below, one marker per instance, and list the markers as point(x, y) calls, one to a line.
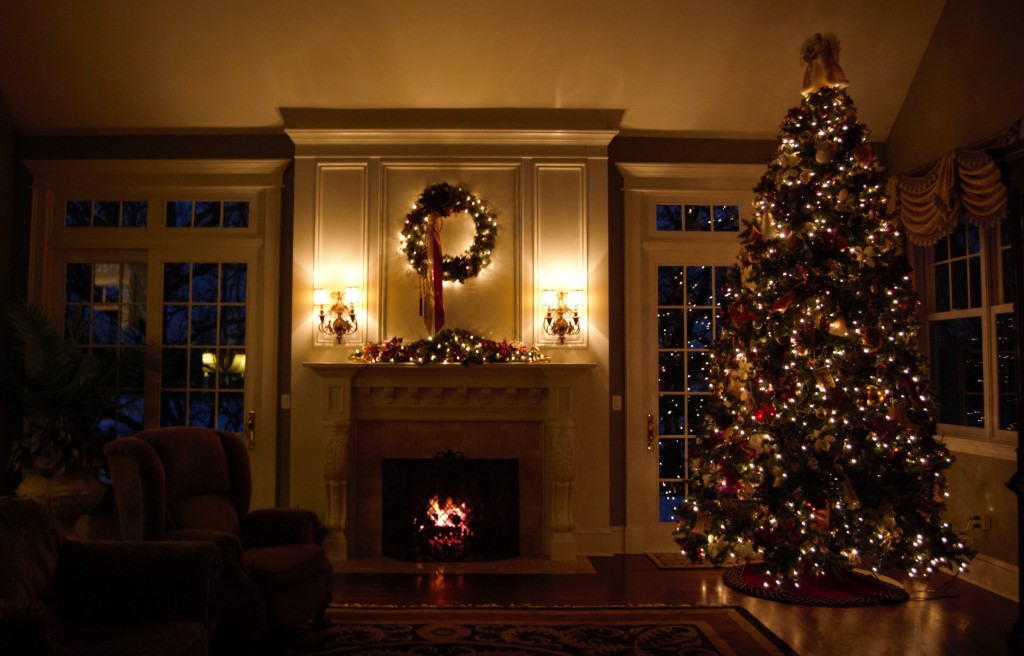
point(964, 183)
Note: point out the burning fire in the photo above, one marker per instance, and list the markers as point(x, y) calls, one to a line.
point(448, 528)
point(451, 514)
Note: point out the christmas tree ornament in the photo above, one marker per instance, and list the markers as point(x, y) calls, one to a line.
point(822, 399)
point(768, 230)
point(845, 201)
point(864, 155)
point(837, 327)
point(871, 337)
point(821, 518)
point(864, 254)
point(824, 151)
point(782, 303)
point(850, 498)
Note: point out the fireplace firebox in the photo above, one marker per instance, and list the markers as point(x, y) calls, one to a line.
point(450, 508)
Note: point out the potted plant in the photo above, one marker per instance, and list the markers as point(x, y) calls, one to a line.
point(59, 389)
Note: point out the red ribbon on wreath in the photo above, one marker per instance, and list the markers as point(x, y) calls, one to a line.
point(433, 293)
point(421, 243)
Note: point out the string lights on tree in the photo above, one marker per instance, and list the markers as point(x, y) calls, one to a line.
point(819, 451)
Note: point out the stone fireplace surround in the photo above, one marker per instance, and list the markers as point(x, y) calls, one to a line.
point(517, 440)
point(521, 411)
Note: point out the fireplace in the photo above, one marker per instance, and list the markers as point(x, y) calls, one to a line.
point(379, 412)
point(385, 445)
point(450, 508)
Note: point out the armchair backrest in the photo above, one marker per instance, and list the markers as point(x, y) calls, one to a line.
point(179, 478)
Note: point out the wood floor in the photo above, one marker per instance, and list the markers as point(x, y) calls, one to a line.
point(961, 620)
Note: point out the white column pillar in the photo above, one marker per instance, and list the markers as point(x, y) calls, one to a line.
point(560, 447)
point(336, 441)
point(337, 434)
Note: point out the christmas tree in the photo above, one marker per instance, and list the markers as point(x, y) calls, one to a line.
point(819, 451)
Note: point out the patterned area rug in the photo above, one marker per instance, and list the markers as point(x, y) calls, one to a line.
point(479, 631)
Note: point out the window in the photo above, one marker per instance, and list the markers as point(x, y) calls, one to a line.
point(697, 218)
point(106, 214)
point(971, 332)
point(207, 214)
point(160, 269)
point(203, 314)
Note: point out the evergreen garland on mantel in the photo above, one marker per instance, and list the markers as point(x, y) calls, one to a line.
point(450, 346)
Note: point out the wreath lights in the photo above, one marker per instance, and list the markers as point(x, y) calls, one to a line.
point(443, 200)
point(450, 346)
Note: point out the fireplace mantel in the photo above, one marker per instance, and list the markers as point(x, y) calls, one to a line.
point(356, 391)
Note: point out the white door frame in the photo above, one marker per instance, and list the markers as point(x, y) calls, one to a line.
point(646, 186)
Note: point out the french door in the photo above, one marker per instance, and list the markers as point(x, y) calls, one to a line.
point(680, 247)
point(175, 288)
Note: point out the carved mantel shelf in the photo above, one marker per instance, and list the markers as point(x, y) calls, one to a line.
point(354, 391)
point(450, 371)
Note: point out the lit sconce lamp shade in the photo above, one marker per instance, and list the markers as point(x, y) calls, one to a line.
point(351, 297)
point(550, 299)
point(321, 297)
point(576, 300)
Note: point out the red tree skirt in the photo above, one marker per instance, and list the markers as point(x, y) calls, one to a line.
point(854, 589)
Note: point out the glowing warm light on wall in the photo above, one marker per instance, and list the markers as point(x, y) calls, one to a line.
point(336, 311)
point(562, 312)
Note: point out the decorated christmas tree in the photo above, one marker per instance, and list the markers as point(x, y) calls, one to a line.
point(819, 451)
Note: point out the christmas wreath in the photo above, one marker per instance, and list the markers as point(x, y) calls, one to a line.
point(440, 201)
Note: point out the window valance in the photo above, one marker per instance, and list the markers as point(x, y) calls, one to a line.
point(965, 183)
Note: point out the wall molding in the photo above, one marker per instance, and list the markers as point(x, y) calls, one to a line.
point(994, 575)
point(984, 448)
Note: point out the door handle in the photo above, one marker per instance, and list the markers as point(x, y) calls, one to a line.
point(250, 430)
point(650, 432)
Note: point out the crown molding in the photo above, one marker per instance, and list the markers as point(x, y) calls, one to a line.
point(413, 127)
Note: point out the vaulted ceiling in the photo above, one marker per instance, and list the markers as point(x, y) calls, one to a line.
point(694, 68)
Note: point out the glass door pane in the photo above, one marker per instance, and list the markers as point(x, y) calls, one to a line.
point(105, 311)
point(204, 339)
point(689, 316)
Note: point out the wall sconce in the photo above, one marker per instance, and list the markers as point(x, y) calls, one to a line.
point(563, 313)
point(340, 318)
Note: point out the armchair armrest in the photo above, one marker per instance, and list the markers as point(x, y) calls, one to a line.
point(136, 581)
point(237, 601)
point(276, 526)
point(229, 546)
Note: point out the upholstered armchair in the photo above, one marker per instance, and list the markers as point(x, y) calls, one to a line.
point(70, 596)
point(195, 483)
